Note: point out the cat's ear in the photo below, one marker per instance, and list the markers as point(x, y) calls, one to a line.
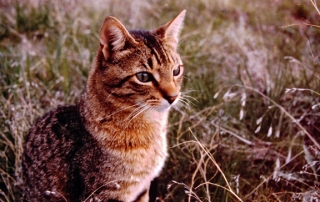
point(170, 31)
point(114, 37)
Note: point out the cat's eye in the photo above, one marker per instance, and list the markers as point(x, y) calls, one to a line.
point(176, 71)
point(144, 77)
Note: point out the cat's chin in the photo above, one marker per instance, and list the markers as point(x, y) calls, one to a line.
point(163, 108)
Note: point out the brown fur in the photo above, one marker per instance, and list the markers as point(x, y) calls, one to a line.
point(111, 145)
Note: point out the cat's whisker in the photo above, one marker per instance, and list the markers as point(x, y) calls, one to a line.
point(188, 96)
point(182, 106)
point(184, 100)
point(190, 91)
point(151, 108)
point(109, 95)
point(133, 113)
point(185, 94)
point(136, 112)
point(122, 109)
point(145, 108)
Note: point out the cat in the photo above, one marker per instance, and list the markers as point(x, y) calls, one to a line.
point(112, 144)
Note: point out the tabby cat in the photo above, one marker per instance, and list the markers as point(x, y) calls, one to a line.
point(112, 144)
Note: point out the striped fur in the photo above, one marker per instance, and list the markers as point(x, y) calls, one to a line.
point(111, 145)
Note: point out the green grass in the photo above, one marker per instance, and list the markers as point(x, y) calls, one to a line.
point(251, 130)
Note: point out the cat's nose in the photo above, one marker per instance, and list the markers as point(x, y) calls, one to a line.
point(171, 99)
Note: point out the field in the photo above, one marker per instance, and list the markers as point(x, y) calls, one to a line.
point(250, 130)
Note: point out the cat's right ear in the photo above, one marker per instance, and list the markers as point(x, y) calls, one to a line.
point(114, 37)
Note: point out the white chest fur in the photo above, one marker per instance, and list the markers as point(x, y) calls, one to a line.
point(152, 158)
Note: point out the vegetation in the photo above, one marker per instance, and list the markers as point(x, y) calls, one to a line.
point(250, 128)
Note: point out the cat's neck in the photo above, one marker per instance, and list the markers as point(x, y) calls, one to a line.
point(115, 124)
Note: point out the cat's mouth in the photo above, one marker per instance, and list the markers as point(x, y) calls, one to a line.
point(166, 103)
point(173, 99)
point(160, 105)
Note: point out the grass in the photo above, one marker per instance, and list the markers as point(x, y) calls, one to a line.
point(251, 133)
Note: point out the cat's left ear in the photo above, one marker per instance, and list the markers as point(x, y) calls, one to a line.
point(170, 31)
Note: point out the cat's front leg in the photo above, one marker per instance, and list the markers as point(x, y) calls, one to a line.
point(143, 197)
point(150, 193)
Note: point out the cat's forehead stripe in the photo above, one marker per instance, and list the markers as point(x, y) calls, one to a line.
point(150, 63)
point(155, 53)
point(153, 44)
point(156, 49)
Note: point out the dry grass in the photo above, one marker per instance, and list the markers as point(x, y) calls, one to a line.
point(252, 132)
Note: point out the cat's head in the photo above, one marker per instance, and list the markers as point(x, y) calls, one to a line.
point(138, 68)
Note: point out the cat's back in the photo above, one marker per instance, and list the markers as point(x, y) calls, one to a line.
point(49, 152)
point(55, 132)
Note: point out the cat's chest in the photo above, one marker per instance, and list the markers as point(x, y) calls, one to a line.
point(141, 150)
point(141, 146)
point(130, 156)
point(132, 169)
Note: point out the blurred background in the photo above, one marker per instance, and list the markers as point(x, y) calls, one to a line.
point(250, 127)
